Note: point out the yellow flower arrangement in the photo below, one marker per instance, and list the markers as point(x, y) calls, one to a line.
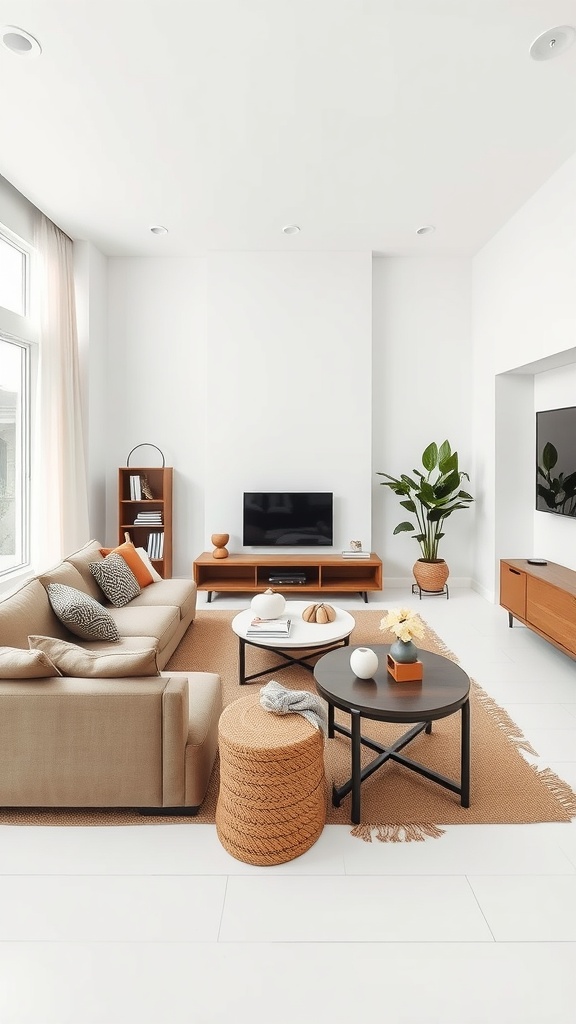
point(405, 623)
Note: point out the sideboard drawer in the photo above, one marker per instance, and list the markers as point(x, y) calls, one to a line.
point(513, 589)
point(553, 611)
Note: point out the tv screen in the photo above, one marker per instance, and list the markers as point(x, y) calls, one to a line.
point(287, 518)
point(556, 461)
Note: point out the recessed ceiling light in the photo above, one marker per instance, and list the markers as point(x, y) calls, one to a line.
point(159, 229)
point(20, 42)
point(426, 229)
point(552, 43)
point(291, 229)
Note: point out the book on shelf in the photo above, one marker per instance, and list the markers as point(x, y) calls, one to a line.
point(269, 627)
point(356, 554)
point(155, 547)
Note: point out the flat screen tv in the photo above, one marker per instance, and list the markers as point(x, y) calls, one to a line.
point(556, 461)
point(288, 518)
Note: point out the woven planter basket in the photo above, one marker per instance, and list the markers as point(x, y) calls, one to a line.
point(431, 576)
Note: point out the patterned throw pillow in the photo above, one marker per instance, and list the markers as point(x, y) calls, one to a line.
point(81, 614)
point(116, 579)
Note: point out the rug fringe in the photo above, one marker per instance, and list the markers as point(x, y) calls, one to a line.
point(502, 719)
point(559, 789)
point(413, 833)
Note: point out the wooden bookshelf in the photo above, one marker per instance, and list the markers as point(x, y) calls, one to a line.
point(160, 481)
point(324, 574)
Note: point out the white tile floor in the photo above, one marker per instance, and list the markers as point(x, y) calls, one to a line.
point(159, 925)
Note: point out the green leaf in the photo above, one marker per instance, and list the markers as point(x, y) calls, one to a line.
point(549, 456)
point(444, 452)
point(404, 528)
point(430, 457)
point(450, 464)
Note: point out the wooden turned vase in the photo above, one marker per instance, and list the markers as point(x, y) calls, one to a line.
point(220, 541)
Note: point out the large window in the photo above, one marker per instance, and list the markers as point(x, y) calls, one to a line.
point(14, 454)
point(16, 335)
point(13, 276)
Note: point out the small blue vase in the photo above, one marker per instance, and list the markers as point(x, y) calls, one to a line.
point(404, 651)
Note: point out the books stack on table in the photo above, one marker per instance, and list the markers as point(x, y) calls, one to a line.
point(269, 627)
point(355, 554)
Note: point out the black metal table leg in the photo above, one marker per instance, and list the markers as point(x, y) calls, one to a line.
point(242, 661)
point(465, 756)
point(356, 773)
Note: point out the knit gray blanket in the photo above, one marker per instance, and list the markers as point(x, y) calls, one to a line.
point(278, 699)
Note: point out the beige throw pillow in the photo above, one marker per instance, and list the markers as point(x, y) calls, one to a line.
point(16, 663)
point(75, 661)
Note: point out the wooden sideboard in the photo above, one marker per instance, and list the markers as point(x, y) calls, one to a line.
point(543, 597)
point(324, 574)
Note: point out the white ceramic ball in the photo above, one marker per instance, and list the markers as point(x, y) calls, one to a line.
point(363, 662)
point(268, 605)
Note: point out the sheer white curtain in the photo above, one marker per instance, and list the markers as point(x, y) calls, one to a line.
point(59, 486)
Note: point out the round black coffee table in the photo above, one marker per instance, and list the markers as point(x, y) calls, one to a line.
point(444, 690)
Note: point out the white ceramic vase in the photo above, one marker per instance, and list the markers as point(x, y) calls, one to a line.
point(268, 605)
point(363, 662)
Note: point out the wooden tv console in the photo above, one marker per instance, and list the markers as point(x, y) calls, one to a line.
point(543, 597)
point(324, 574)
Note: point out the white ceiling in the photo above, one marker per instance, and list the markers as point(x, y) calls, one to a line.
point(224, 120)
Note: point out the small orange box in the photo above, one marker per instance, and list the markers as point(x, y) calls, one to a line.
point(404, 672)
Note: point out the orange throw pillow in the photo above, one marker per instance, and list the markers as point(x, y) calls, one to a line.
point(133, 561)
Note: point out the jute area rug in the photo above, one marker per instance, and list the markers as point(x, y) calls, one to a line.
point(397, 805)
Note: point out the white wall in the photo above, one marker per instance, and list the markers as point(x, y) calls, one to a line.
point(156, 385)
point(421, 393)
point(288, 387)
point(524, 311)
point(90, 280)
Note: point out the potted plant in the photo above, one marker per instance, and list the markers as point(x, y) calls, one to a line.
point(431, 497)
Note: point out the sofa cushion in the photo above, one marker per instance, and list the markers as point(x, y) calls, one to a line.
point(16, 663)
point(68, 575)
point(177, 592)
point(25, 611)
point(116, 579)
point(81, 614)
point(81, 561)
point(159, 621)
point(133, 561)
point(73, 660)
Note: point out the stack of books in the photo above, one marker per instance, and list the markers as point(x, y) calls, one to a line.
point(355, 554)
point(269, 627)
point(148, 519)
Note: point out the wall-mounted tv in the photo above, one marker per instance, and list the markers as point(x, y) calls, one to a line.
point(288, 518)
point(556, 461)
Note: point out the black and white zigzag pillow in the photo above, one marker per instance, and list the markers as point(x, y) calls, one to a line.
point(115, 579)
point(81, 614)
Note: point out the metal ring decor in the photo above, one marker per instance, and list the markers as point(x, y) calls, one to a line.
point(144, 445)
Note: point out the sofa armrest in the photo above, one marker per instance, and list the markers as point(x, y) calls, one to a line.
point(175, 717)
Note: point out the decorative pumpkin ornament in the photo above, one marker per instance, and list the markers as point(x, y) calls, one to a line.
point(268, 605)
point(321, 613)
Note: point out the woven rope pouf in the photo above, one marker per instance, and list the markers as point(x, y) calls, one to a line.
point(272, 800)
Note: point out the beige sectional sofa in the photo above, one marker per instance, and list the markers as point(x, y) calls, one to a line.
point(147, 741)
